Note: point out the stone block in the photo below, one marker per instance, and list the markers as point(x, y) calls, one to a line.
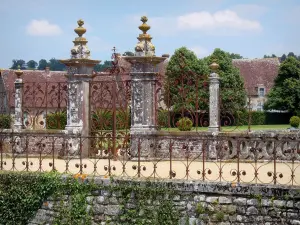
point(279, 203)
point(225, 200)
point(199, 198)
point(212, 199)
point(112, 210)
point(252, 211)
point(98, 209)
point(253, 202)
point(240, 201)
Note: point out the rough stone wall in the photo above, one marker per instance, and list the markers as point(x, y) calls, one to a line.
point(200, 203)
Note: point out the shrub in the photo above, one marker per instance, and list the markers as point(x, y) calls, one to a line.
point(257, 118)
point(184, 124)
point(295, 121)
point(56, 120)
point(102, 119)
point(163, 118)
point(5, 121)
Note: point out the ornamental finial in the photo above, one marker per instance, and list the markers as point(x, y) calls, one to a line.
point(19, 72)
point(214, 66)
point(80, 30)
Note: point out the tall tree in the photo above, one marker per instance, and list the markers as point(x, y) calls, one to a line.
point(55, 65)
point(42, 64)
point(31, 64)
point(188, 80)
point(283, 57)
point(291, 54)
point(232, 91)
point(18, 62)
point(285, 94)
point(270, 56)
point(185, 77)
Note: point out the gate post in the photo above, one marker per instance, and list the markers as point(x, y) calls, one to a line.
point(18, 123)
point(214, 104)
point(143, 84)
point(79, 74)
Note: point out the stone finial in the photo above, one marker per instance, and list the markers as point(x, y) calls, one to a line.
point(214, 66)
point(80, 30)
point(144, 47)
point(19, 72)
point(80, 49)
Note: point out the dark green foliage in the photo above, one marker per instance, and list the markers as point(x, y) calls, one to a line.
point(55, 65)
point(235, 56)
point(186, 73)
point(295, 121)
point(56, 120)
point(184, 124)
point(285, 94)
point(102, 67)
point(42, 64)
point(22, 194)
point(186, 77)
point(31, 64)
point(163, 118)
point(103, 119)
point(5, 121)
point(256, 117)
point(232, 91)
point(18, 62)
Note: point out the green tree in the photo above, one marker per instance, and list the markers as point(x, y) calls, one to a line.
point(232, 91)
point(55, 65)
point(31, 64)
point(128, 53)
point(270, 56)
point(186, 77)
point(187, 81)
point(285, 94)
point(18, 62)
point(235, 56)
point(102, 67)
point(283, 57)
point(42, 64)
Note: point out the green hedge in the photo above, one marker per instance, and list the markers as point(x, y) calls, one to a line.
point(56, 120)
point(257, 118)
point(5, 121)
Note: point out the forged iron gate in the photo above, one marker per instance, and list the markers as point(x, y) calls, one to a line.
point(110, 98)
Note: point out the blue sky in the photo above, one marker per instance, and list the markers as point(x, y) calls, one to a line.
point(36, 29)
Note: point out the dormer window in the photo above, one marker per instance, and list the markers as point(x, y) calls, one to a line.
point(261, 92)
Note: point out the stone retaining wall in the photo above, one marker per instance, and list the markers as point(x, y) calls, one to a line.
point(200, 203)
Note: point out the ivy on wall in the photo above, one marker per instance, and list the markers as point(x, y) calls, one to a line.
point(22, 194)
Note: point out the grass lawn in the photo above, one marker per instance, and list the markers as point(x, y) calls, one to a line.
point(240, 128)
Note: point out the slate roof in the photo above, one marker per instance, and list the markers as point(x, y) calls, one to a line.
point(258, 72)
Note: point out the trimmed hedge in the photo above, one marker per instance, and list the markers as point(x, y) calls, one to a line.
point(5, 121)
point(295, 121)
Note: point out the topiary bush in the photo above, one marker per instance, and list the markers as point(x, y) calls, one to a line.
point(5, 121)
point(295, 121)
point(184, 124)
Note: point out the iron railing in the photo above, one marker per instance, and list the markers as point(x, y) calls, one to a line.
point(234, 159)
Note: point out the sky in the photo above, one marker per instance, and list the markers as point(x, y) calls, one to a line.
point(44, 29)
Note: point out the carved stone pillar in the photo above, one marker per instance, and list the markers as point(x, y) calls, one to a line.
point(143, 82)
point(18, 122)
point(214, 103)
point(80, 73)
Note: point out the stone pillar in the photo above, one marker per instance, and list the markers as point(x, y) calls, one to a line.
point(214, 104)
point(143, 74)
point(80, 73)
point(18, 122)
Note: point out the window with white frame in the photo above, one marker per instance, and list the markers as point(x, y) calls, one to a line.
point(259, 106)
point(261, 92)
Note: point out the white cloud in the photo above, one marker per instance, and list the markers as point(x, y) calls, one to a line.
point(225, 19)
point(43, 28)
point(200, 51)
